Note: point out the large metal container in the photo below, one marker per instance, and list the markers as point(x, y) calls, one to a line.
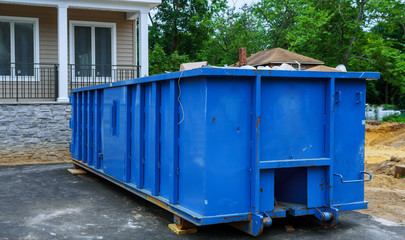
point(217, 145)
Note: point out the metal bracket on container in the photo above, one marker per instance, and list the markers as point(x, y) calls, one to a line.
point(323, 216)
point(338, 96)
point(327, 217)
point(354, 181)
point(359, 97)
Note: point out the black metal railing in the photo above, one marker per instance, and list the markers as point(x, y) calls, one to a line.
point(89, 75)
point(40, 80)
point(28, 81)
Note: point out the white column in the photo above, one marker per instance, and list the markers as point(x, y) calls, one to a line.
point(135, 43)
point(143, 43)
point(63, 54)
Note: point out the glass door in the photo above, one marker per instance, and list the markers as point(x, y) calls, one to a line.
point(93, 54)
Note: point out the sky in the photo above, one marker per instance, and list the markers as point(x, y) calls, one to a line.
point(240, 3)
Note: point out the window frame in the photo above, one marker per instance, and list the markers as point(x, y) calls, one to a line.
point(12, 20)
point(92, 25)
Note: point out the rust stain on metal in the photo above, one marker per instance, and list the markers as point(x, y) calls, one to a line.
point(258, 122)
point(261, 189)
point(321, 186)
point(226, 218)
point(213, 119)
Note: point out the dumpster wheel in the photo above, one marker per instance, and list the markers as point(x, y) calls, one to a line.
point(327, 218)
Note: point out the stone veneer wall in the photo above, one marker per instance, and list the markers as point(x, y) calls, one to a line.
point(34, 132)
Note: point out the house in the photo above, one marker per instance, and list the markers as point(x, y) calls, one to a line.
point(276, 57)
point(48, 47)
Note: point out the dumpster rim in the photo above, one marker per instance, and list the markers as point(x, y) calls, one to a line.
point(212, 71)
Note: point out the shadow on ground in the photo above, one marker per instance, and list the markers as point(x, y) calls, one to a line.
point(47, 202)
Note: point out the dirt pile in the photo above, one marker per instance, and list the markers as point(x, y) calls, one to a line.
point(384, 141)
point(385, 192)
point(385, 148)
point(386, 167)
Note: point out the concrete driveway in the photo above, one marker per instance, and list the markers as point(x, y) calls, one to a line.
point(47, 202)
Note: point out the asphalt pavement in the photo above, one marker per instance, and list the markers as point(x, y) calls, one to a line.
point(47, 202)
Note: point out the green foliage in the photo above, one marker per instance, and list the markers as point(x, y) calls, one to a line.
point(233, 30)
point(389, 106)
point(394, 118)
point(159, 62)
point(183, 25)
point(365, 35)
point(377, 54)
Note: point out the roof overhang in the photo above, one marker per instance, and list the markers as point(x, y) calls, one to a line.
point(109, 5)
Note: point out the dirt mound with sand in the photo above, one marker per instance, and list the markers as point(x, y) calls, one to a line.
point(384, 141)
point(385, 148)
point(386, 167)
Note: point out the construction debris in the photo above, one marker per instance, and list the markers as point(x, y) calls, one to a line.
point(192, 65)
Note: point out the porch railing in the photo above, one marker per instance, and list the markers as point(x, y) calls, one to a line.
point(28, 81)
point(39, 81)
point(89, 75)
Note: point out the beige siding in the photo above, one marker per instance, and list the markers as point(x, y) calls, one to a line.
point(125, 41)
point(48, 46)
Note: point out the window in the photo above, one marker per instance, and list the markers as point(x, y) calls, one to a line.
point(92, 51)
point(19, 46)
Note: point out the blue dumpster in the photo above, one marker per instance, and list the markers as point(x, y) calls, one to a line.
point(237, 146)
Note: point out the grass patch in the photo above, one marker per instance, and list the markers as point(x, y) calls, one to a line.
point(394, 118)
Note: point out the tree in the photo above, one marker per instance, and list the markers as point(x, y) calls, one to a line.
point(233, 30)
point(183, 25)
point(365, 35)
point(383, 51)
point(379, 55)
point(278, 18)
point(159, 62)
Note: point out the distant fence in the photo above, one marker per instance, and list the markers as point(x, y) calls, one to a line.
point(379, 112)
